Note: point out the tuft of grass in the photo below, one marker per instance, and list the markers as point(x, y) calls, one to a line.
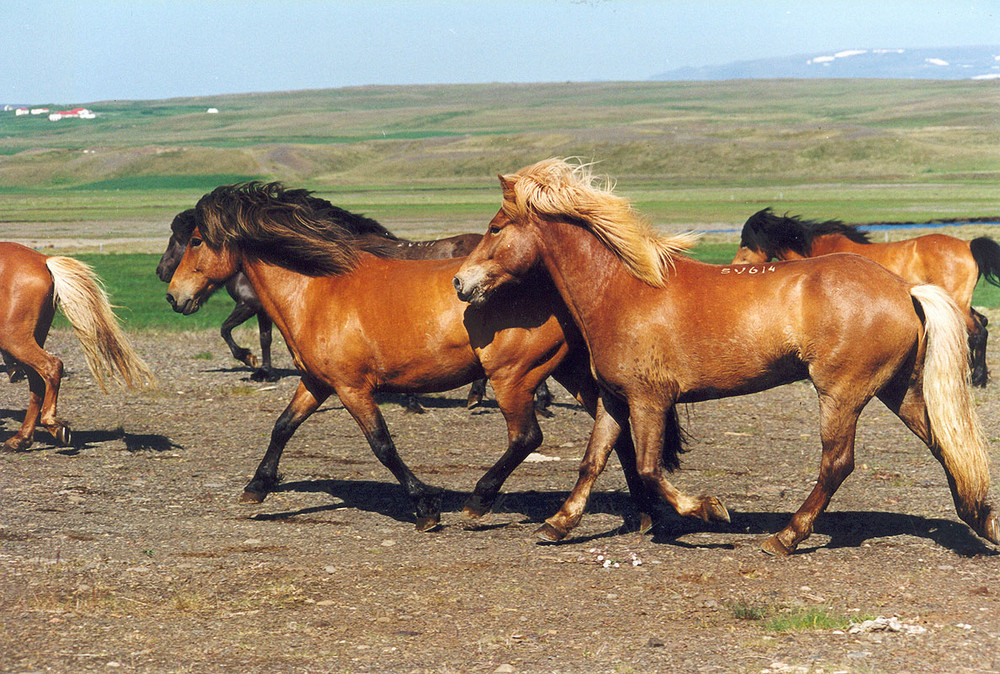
point(203, 355)
point(806, 618)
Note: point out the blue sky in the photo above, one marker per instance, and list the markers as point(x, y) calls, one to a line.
point(65, 51)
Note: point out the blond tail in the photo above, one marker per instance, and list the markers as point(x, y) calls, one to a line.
point(957, 439)
point(79, 294)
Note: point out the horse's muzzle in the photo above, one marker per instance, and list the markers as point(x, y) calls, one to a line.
point(187, 307)
point(468, 291)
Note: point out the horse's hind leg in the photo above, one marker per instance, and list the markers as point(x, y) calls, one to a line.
point(978, 336)
point(909, 406)
point(838, 423)
point(307, 398)
point(523, 437)
point(426, 499)
point(44, 375)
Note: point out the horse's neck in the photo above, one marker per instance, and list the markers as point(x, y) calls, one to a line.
point(280, 292)
point(585, 273)
point(833, 243)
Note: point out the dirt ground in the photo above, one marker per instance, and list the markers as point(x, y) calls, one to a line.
point(130, 550)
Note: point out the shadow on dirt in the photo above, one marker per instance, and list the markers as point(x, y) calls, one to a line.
point(845, 529)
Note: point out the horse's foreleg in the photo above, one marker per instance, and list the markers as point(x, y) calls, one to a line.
point(426, 499)
point(543, 398)
point(264, 326)
point(838, 424)
point(241, 313)
point(523, 437)
point(655, 427)
point(307, 398)
point(611, 416)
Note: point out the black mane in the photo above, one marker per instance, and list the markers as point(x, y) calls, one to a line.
point(769, 232)
point(321, 209)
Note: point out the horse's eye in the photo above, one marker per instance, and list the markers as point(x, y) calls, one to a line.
point(195, 243)
point(494, 229)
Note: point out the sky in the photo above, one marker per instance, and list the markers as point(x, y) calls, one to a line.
point(83, 51)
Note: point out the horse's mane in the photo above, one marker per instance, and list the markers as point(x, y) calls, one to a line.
point(764, 230)
point(557, 188)
point(287, 227)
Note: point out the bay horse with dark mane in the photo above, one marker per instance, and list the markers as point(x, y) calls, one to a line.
point(356, 324)
point(376, 239)
point(943, 260)
point(32, 285)
point(662, 329)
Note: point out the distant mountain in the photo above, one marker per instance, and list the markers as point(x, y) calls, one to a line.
point(951, 63)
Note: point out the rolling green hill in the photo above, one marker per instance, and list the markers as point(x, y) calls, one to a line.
point(686, 152)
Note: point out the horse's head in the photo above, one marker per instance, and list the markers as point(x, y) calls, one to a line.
point(510, 249)
point(202, 269)
point(180, 231)
point(756, 246)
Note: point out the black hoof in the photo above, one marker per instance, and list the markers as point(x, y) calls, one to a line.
point(477, 506)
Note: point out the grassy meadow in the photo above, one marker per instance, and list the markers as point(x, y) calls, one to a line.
point(423, 159)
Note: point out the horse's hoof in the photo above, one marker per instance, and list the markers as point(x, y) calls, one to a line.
point(645, 523)
point(990, 529)
point(714, 511)
point(473, 401)
point(16, 444)
point(428, 522)
point(544, 412)
point(63, 435)
point(252, 496)
point(549, 533)
point(250, 360)
point(411, 406)
point(476, 507)
point(774, 547)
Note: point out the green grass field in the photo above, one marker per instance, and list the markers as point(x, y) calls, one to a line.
point(701, 153)
point(132, 284)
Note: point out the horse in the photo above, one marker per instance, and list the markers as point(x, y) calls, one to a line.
point(376, 239)
point(356, 323)
point(945, 261)
point(662, 328)
point(32, 285)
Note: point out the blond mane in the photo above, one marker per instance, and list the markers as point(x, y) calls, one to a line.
point(557, 188)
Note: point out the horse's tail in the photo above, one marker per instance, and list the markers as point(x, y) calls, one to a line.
point(986, 253)
point(79, 294)
point(956, 438)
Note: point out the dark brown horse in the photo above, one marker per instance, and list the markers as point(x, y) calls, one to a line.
point(356, 324)
point(32, 285)
point(662, 328)
point(945, 261)
point(375, 238)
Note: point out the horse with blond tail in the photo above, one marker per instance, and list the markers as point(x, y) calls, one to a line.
point(32, 285)
point(663, 329)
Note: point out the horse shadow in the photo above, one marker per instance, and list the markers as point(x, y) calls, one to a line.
point(87, 439)
point(844, 529)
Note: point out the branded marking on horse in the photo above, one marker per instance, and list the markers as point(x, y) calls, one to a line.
point(749, 269)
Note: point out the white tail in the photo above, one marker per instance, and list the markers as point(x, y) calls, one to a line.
point(956, 436)
point(78, 292)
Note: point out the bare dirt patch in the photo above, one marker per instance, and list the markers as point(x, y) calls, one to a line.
point(130, 551)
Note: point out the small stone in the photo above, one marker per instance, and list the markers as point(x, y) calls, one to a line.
point(504, 669)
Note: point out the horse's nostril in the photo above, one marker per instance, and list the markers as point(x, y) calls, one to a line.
point(457, 283)
point(171, 301)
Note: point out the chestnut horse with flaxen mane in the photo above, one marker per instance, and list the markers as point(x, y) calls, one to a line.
point(662, 329)
point(32, 285)
point(356, 324)
point(945, 261)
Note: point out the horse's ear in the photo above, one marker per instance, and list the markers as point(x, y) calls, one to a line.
point(507, 185)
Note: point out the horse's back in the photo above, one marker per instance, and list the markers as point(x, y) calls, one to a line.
point(25, 287)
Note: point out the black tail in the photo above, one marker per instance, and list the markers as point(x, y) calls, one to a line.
point(986, 253)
